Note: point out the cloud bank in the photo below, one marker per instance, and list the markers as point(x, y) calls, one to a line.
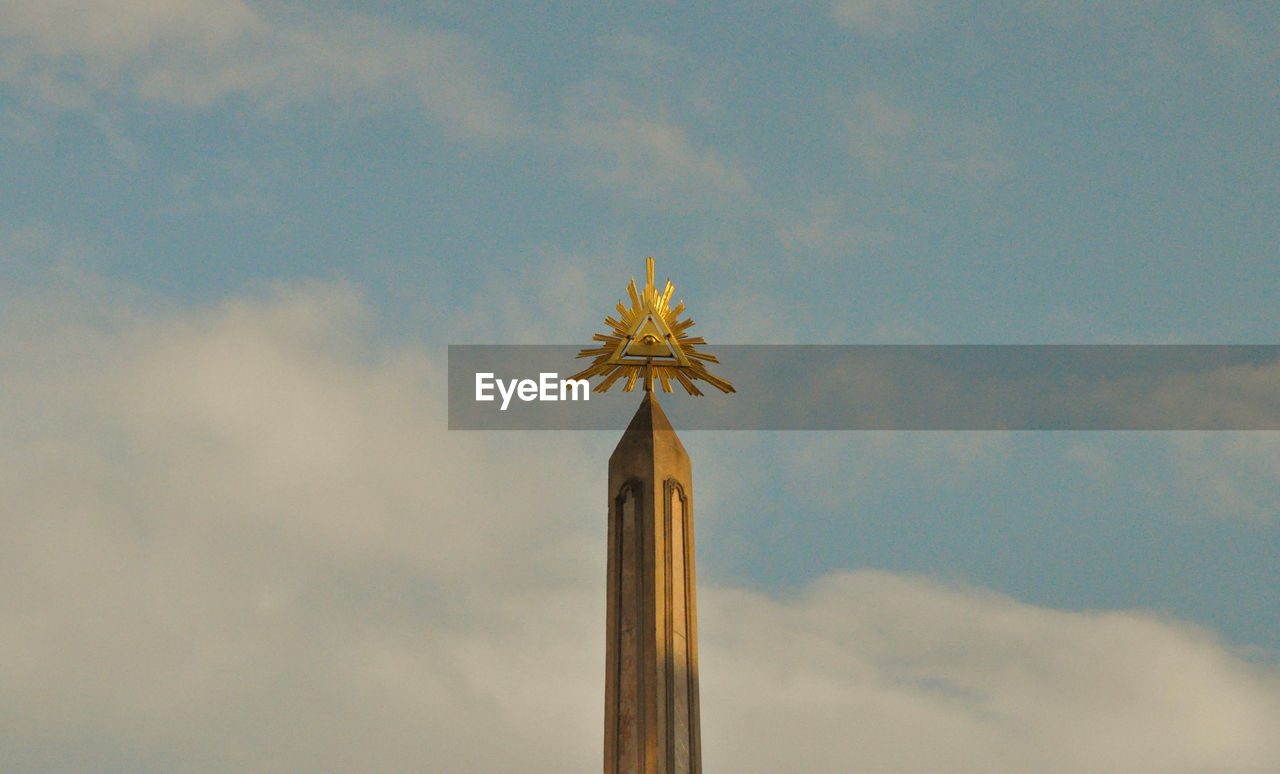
point(76, 55)
point(239, 538)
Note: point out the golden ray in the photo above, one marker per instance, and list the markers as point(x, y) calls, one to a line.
point(647, 340)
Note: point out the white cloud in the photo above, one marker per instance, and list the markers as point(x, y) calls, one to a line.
point(879, 673)
point(1231, 475)
point(243, 538)
point(649, 157)
point(634, 127)
point(1182, 41)
point(891, 135)
point(239, 538)
point(882, 18)
point(540, 300)
point(824, 227)
point(75, 54)
point(1243, 395)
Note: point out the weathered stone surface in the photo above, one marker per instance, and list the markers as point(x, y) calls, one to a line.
point(651, 681)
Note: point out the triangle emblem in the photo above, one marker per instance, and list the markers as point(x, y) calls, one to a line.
point(648, 340)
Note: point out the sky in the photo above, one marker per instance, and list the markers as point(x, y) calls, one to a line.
point(237, 237)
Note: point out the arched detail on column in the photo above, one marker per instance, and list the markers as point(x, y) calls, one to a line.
point(628, 633)
point(681, 633)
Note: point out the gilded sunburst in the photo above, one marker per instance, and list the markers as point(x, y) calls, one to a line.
point(648, 340)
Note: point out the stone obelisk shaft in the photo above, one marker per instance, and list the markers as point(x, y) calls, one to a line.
point(651, 681)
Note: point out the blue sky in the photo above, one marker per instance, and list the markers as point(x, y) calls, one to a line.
point(236, 238)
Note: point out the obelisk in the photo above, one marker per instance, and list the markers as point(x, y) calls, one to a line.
point(651, 655)
point(651, 682)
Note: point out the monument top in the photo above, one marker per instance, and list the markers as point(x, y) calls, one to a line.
point(648, 339)
point(650, 432)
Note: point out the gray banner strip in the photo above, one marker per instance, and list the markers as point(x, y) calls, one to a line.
point(894, 387)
